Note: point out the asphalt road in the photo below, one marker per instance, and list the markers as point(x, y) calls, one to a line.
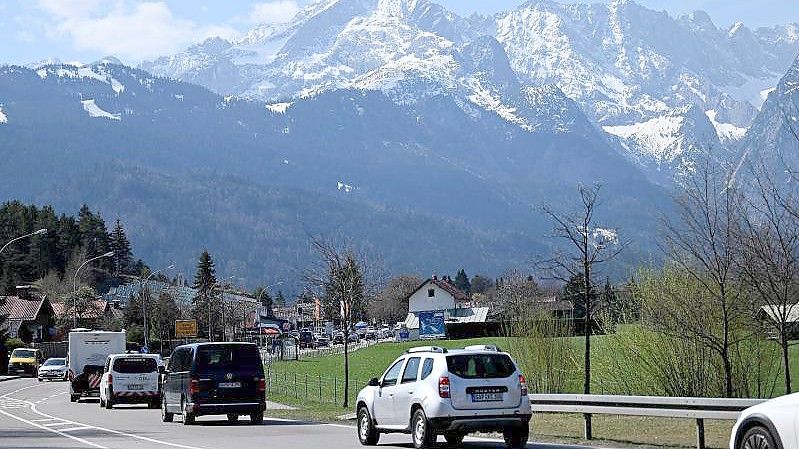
point(39, 415)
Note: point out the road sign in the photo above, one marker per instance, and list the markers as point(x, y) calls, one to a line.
point(431, 325)
point(185, 328)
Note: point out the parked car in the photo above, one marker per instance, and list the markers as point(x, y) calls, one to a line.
point(25, 361)
point(338, 339)
point(354, 337)
point(130, 379)
point(773, 424)
point(322, 342)
point(214, 379)
point(430, 391)
point(306, 339)
point(53, 369)
point(371, 334)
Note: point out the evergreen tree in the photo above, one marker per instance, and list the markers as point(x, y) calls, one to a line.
point(462, 281)
point(481, 284)
point(122, 252)
point(204, 282)
point(280, 300)
point(205, 278)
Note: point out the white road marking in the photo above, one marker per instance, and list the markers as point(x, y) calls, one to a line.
point(53, 424)
point(79, 424)
point(80, 440)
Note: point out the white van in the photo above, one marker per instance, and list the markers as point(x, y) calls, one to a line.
point(87, 354)
point(131, 379)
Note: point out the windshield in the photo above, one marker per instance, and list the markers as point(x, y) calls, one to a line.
point(55, 362)
point(480, 366)
point(135, 365)
point(228, 356)
point(24, 353)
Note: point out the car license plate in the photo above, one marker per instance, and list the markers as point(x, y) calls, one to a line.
point(486, 397)
point(229, 384)
point(134, 387)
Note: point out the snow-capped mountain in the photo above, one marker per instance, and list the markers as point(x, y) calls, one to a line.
point(628, 67)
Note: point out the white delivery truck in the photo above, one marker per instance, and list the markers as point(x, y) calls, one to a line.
point(86, 356)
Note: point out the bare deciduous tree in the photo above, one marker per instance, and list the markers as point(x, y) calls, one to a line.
point(703, 241)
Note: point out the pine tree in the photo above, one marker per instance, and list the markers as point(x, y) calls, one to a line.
point(122, 251)
point(204, 282)
point(205, 278)
point(462, 281)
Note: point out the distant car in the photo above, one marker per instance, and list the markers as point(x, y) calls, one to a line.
point(371, 334)
point(54, 369)
point(338, 339)
point(214, 379)
point(354, 337)
point(430, 391)
point(322, 342)
point(25, 361)
point(130, 379)
point(306, 340)
point(774, 424)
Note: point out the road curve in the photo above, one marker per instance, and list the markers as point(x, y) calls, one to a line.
point(39, 415)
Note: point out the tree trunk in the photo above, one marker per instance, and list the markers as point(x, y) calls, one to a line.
point(785, 361)
point(346, 370)
point(587, 330)
point(725, 358)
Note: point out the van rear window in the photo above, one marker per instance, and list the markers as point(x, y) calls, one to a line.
point(228, 356)
point(135, 365)
point(480, 366)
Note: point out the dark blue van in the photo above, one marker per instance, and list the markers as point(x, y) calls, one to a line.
point(214, 379)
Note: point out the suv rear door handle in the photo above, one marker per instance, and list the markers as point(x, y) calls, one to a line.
point(410, 392)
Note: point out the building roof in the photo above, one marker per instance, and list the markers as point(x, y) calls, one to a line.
point(21, 309)
point(96, 310)
point(445, 285)
point(777, 312)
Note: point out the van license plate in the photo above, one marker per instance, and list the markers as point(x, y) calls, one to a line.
point(229, 384)
point(486, 397)
point(134, 387)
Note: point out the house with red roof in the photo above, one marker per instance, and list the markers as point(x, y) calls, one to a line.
point(30, 319)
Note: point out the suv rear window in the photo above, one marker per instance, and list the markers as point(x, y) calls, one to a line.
point(232, 356)
point(135, 365)
point(480, 366)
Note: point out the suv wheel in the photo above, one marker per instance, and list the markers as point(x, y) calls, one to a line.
point(165, 415)
point(257, 418)
point(423, 435)
point(454, 439)
point(109, 403)
point(757, 438)
point(367, 434)
point(516, 437)
point(232, 417)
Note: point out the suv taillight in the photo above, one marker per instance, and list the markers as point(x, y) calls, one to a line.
point(443, 386)
point(523, 385)
point(194, 386)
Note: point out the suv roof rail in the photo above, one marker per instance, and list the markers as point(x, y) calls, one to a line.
point(494, 348)
point(437, 349)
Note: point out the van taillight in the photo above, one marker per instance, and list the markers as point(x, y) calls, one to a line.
point(523, 385)
point(110, 379)
point(261, 385)
point(194, 387)
point(443, 386)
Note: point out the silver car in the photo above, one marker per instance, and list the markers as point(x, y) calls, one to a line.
point(53, 369)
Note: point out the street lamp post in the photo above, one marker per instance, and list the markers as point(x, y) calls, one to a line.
point(75, 286)
point(39, 232)
point(210, 298)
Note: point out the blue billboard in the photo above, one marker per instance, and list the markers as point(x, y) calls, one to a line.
point(431, 325)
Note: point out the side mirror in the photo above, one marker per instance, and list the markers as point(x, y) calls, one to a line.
point(374, 382)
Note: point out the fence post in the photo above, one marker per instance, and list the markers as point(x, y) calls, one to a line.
point(588, 430)
point(296, 393)
point(306, 385)
point(320, 388)
point(700, 433)
point(335, 390)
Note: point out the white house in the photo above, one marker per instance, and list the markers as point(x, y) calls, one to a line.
point(436, 294)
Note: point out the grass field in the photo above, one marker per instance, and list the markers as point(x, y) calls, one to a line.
point(315, 387)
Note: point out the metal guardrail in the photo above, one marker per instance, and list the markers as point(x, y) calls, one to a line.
point(658, 406)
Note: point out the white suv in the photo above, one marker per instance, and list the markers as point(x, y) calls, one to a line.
point(431, 391)
point(131, 379)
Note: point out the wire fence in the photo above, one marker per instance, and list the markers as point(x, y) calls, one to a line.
point(318, 389)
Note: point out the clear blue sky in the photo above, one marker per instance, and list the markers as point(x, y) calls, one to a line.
point(85, 30)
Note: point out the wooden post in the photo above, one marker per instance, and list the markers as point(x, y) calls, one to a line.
point(700, 433)
point(588, 431)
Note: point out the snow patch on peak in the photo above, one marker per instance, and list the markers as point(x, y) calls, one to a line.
point(96, 111)
point(3, 116)
point(279, 108)
point(346, 188)
point(659, 138)
point(727, 132)
point(735, 28)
